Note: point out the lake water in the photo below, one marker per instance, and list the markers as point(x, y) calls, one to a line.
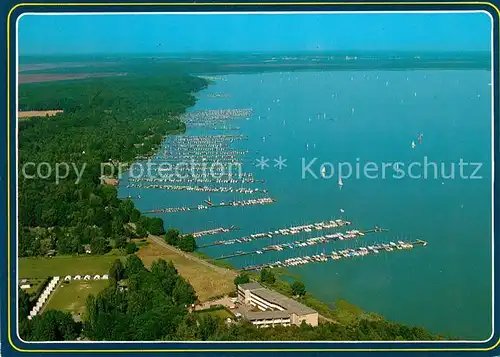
point(360, 117)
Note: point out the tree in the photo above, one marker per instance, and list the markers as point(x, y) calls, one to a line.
point(208, 325)
point(172, 236)
point(242, 278)
point(135, 215)
point(120, 242)
point(267, 276)
point(116, 272)
point(133, 265)
point(117, 225)
point(187, 243)
point(183, 293)
point(99, 245)
point(155, 226)
point(54, 325)
point(131, 248)
point(141, 231)
point(298, 288)
point(127, 206)
point(24, 304)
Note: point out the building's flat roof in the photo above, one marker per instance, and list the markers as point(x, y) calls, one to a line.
point(250, 286)
point(264, 315)
point(288, 304)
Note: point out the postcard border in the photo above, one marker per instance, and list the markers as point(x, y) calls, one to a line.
point(221, 4)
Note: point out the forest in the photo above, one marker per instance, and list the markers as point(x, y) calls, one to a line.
point(107, 120)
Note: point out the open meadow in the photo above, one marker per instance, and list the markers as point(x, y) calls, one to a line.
point(208, 281)
point(71, 297)
point(62, 265)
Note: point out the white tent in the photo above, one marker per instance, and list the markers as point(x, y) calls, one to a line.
point(105, 277)
point(77, 277)
point(68, 277)
point(97, 277)
point(87, 277)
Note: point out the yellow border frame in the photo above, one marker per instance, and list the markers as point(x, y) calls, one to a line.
point(9, 329)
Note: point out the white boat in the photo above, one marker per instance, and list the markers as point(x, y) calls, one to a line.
point(340, 182)
point(413, 145)
point(323, 171)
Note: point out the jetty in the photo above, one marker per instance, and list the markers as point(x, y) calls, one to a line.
point(337, 255)
point(188, 188)
point(212, 231)
point(348, 235)
point(239, 203)
point(318, 226)
point(196, 180)
point(202, 118)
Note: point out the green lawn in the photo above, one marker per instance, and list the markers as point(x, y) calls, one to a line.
point(222, 313)
point(65, 265)
point(71, 297)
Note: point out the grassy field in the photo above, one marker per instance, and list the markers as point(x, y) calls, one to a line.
point(71, 297)
point(65, 265)
point(206, 281)
point(222, 313)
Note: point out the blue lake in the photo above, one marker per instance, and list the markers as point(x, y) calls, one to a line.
point(364, 118)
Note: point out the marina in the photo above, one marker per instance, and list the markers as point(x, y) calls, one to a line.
point(348, 235)
point(197, 180)
point(212, 117)
point(336, 255)
point(307, 228)
point(219, 230)
point(200, 188)
point(239, 203)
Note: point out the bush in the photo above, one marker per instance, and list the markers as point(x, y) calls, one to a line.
point(187, 243)
point(298, 288)
point(267, 276)
point(242, 278)
point(131, 248)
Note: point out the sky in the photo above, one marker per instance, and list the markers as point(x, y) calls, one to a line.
point(175, 33)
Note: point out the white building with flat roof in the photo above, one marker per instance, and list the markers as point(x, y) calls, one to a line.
point(275, 308)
